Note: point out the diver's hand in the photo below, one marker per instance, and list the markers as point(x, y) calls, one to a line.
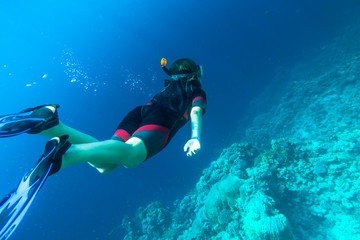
point(192, 146)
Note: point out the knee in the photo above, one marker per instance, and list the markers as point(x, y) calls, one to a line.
point(137, 154)
point(131, 164)
point(133, 160)
point(107, 170)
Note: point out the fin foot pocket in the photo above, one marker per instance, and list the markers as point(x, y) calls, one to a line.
point(31, 120)
point(62, 146)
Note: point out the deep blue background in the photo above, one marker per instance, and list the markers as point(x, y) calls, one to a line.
point(112, 50)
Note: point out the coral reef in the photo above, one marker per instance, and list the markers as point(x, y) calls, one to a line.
point(300, 176)
point(150, 222)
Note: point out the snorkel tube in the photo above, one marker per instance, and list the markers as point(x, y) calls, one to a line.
point(163, 66)
point(166, 70)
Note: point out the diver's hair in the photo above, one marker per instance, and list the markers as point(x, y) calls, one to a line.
point(183, 66)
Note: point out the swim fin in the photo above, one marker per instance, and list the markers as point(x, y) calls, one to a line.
point(31, 120)
point(14, 206)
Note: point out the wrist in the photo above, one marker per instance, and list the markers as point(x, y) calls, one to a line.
point(196, 138)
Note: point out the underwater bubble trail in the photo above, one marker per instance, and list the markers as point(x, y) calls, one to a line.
point(76, 74)
point(124, 77)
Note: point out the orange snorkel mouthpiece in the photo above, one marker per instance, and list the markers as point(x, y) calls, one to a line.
point(163, 62)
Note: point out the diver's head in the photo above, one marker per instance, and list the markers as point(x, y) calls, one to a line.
point(184, 69)
point(183, 66)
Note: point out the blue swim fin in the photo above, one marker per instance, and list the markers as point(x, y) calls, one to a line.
point(14, 206)
point(31, 120)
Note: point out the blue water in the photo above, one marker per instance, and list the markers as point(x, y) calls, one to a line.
point(99, 59)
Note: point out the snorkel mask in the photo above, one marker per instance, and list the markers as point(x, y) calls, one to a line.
point(175, 77)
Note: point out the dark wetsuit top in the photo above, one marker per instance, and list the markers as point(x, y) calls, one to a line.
point(157, 122)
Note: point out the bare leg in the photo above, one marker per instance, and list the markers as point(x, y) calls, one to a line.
point(77, 137)
point(105, 156)
point(112, 152)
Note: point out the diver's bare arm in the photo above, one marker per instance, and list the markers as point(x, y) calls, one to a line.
point(192, 146)
point(196, 122)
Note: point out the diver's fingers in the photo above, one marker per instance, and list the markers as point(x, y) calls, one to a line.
point(193, 151)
